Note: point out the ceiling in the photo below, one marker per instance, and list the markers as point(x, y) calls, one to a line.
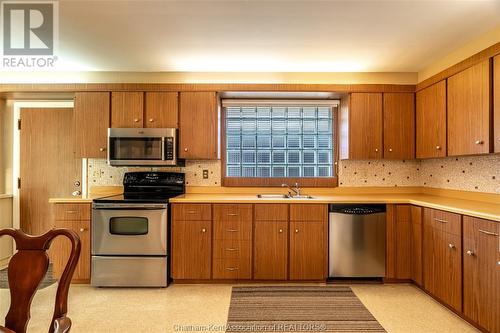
point(267, 36)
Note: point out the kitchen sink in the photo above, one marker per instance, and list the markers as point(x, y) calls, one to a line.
point(282, 196)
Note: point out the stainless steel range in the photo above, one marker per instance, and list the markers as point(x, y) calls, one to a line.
point(130, 231)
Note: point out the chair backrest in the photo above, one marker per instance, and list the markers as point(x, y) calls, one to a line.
point(26, 270)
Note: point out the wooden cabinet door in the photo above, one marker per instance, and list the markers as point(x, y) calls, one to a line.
point(270, 250)
point(469, 111)
point(91, 124)
point(198, 119)
point(399, 126)
point(127, 109)
point(431, 121)
point(481, 259)
point(161, 110)
point(398, 242)
point(365, 126)
point(308, 250)
point(191, 249)
point(496, 103)
point(442, 270)
point(61, 248)
point(416, 245)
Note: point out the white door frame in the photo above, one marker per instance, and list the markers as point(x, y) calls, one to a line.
point(16, 158)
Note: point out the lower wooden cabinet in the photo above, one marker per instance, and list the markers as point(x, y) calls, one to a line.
point(75, 217)
point(442, 256)
point(191, 249)
point(270, 250)
point(307, 250)
point(416, 245)
point(481, 285)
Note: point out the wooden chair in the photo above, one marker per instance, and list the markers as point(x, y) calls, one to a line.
point(26, 270)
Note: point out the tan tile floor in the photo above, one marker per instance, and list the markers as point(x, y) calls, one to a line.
point(180, 308)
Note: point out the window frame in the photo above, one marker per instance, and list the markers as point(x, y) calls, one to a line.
point(277, 181)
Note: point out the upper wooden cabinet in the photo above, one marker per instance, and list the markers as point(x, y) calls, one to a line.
point(431, 121)
point(365, 126)
point(161, 110)
point(482, 272)
point(198, 121)
point(496, 103)
point(127, 109)
point(399, 126)
point(469, 111)
point(91, 124)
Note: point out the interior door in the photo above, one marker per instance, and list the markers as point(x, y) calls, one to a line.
point(48, 165)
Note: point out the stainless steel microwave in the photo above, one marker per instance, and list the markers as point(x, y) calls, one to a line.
point(142, 146)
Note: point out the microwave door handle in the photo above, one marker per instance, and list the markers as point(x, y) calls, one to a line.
point(163, 148)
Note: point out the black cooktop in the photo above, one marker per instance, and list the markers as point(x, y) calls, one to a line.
point(148, 187)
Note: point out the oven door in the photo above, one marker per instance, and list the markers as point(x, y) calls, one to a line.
point(129, 229)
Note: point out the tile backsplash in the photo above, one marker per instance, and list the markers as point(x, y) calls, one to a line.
point(470, 173)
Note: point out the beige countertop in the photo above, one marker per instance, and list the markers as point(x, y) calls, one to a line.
point(486, 210)
point(483, 209)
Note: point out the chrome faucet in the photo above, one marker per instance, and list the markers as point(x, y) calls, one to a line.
point(295, 189)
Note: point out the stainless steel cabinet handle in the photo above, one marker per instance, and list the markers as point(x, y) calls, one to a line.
point(469, 253)
point(203, 230)
point(451, 246)
point(479, 142)
point(439, 220)
point(231, 268)
point(232, 230)
point(487, 232)
point(231, 249)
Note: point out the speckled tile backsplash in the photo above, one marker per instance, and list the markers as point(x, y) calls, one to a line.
point(471, 173)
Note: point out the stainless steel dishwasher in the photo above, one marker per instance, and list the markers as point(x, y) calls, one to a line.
point(356, 241)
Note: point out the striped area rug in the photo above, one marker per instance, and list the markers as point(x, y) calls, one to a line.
point(298, 309)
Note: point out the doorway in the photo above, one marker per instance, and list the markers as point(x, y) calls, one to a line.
point(46, 162)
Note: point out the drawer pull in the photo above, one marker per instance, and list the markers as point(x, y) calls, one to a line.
point(451, 246)
point(439, 220)
point(71, 211)
point(191, 212)
point(470, 253)
point(232, 230)
point(231, 249)
point(479, 142)
point(488, 232)
point(231, 269)
point(232, 214)
point(83, 229)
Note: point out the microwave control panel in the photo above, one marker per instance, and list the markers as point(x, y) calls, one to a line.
point(169, 148)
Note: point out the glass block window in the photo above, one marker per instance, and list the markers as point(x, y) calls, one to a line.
point(279, 141)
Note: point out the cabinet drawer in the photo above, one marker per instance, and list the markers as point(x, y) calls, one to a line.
point(271, 212)
point(230, 212)
point(232, 269)
point(192, 212)
point(233, 230)
point(72, 212)
point(231, 249)
point(308, 212)
point(444, 221)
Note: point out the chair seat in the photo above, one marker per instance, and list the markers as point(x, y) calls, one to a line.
point(5, 330)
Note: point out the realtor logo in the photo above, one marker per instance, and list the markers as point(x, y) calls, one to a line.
point(29, 33)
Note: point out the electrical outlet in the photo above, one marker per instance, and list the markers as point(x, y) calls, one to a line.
point(205, 174)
